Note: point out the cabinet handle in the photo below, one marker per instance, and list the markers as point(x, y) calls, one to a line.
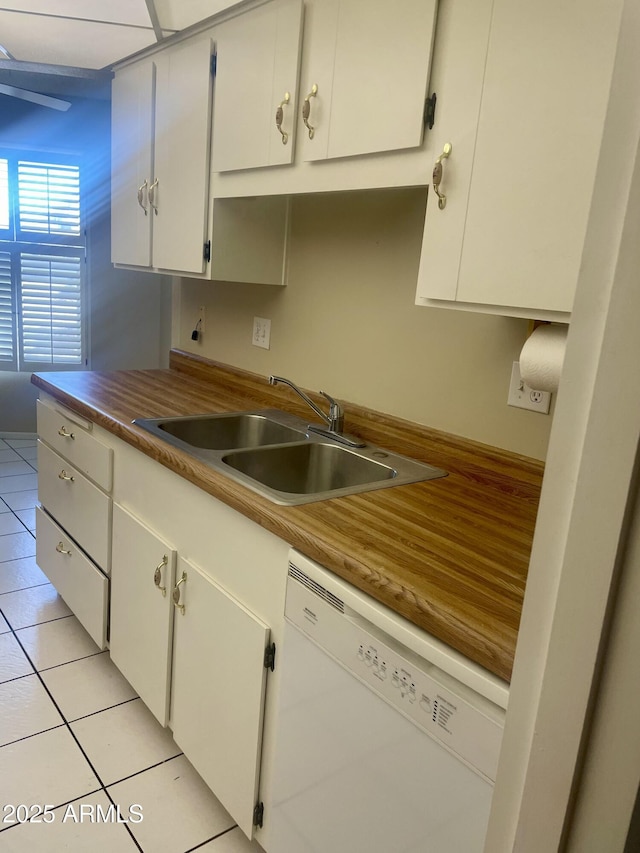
point(280, 117)
point(438, 172)
point(152, 196)
point(61, 549)
point(176, 593)
point(64, 476)
point(157, 575)
point(141, 196)
point(306, 110)
point(63, 432)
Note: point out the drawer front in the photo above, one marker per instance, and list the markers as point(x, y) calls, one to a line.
point(76, 504)
point(84, 588)
point(71, 437)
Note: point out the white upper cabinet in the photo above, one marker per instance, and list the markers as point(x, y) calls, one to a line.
point(163, 218)
point(364, 76)
point(356, 75)
point(256, 98)
point(525, 139)
point(181, 171)
point(132, 98)
point(161, 119)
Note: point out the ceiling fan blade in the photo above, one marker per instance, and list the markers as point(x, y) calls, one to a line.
point(35, 97)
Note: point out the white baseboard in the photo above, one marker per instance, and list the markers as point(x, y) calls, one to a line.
point(19, 436)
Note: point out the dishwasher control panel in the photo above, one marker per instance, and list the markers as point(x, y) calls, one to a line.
point(463, 721)
point(412, 690)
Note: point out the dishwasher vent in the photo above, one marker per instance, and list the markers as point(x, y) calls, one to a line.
point(298, 575)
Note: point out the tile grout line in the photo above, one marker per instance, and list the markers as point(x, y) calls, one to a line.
point(77, 742)
point(103, 788)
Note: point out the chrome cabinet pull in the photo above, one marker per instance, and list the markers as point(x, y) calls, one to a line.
point(438, 172)
point(280, 117)
point(63, 432)
point(152, 196)
point(64, 476)
point(141, 196)
point(61, 549)
point(157, 575)
point(176, 594)
point(306, 110)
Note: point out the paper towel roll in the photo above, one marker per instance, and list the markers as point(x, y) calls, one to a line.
point(542, 357)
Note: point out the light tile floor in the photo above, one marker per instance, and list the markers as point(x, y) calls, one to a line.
point(74, 737)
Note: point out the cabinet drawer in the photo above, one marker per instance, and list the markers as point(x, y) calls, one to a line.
point(84, 588)
point(76, 504)
point(70, 436)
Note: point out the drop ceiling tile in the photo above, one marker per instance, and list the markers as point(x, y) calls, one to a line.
point(120, 11)
point(68, 41)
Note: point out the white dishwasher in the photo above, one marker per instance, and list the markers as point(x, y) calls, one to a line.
point(387, 740)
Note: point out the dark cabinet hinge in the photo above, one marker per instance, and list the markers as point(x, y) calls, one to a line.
point(258, 814)
point(207, 250)
point(430, 111)
point(270, 657)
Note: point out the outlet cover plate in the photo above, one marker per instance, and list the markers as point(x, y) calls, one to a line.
point(524, 397)
point(261, 333)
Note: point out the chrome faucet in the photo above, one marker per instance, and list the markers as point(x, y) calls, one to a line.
point(334, 420)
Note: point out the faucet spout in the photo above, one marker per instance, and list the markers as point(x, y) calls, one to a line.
point(335, 417)
point(334, 420)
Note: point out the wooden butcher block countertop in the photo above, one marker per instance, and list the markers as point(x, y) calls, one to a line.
point(451, 555)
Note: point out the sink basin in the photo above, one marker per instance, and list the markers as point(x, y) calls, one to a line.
point(273, 453)
point(316, 470)
point(223, 432)
point(310, 468)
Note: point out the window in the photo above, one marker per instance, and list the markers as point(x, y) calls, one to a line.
point(42, 263)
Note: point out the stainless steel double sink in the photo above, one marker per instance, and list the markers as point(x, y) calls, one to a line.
point(273, 453)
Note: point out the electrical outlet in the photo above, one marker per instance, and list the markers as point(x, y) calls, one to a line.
point(201, 320)
point(261, 333)
point(524, 397)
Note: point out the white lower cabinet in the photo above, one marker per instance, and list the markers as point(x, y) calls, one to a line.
point(142, 578)
point(217, 678)
point(219, 681)
point(197, 600)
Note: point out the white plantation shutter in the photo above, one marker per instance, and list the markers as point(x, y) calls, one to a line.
point(51, 308)
point(48, 200)
point(7, 313)
point(4, 195)
point(42, 263)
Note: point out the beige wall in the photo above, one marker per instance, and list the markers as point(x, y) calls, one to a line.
point(346, 323)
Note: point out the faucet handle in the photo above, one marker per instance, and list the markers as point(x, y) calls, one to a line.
point(336, 415)
point(334, 406)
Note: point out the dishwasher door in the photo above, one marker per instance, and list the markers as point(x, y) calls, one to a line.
point(375, 749)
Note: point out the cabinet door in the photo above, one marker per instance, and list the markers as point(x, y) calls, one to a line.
point(257, 66)
point(370, 64)
point(465, 27)
point(142, 578)
point(182, 137)
point(131, 163)
point(218, 690)
point(546, 87)
point(545, 95)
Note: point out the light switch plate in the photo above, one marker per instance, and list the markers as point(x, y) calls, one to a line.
point(524, 397)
